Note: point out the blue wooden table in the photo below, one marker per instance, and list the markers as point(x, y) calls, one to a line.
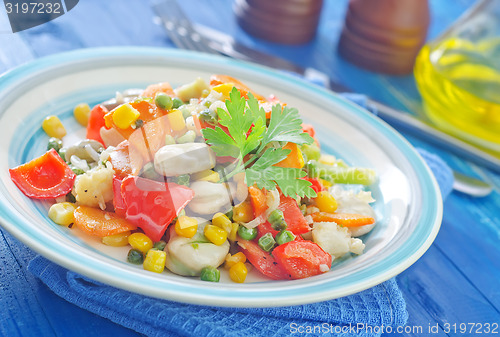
point(456, 281)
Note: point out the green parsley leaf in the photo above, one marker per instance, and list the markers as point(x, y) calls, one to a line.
point(285, 126)
point(247, 134)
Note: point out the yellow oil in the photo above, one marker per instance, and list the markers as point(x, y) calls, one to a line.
point(460, 85)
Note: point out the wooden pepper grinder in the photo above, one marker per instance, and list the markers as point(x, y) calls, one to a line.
point(384, 36)
point(281, 21)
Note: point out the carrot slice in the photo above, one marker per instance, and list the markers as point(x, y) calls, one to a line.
point(94, 221)
point(343, 219)
point(120, 160)
point(258, 200)
point(294, 159)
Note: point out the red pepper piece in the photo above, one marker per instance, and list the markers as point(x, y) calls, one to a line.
point(45, 177)
point(302, 259)
point(296, 222)
point(316, 184)
point(152, 205)
point(263, 261)
point(96, 122)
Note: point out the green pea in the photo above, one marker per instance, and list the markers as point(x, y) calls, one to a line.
point(163, 101)
point(229, 214)
point(183, 179)
point(188, 137)
point(182, 212)
point(135, 256)
point(62, 153)
point(284, 237)
point(76, 170)
point(210, 274)
point(303, 209)
point(160, 245)
point(169, 140)
point(185, 112)
point(266, 242)
point(54, 143)
point(247, 233)
point(176, 103)
point(277, 220)
point(208, 116)
point(70, 197)
point(148, 172)
point(139, 123)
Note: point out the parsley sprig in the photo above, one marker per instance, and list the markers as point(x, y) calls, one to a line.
point(247, 134)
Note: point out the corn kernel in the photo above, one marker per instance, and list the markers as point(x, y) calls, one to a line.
point(62, 213)
point(327, 159)
point(125, 115)
point(233, 234)
point(117, 240)
point(186, 226)
point(238, 272)
point(82, 113)
point(222, 221)
point(224, 89)
point(326, 202)
point(140, 241)
point(231, 260)
point(243, 212)
point(176, 120)
point(155, 261)
point(215, 234)
point(206, 175)
point(53, 127)
point(325, 183)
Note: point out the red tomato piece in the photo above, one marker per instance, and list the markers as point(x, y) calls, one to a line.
point(264, 262)
point(308, 128)
point(302, 259)
point(296, 222)
point(152, 205)
point(96, 122)
point(316, 184)
point(45, 177)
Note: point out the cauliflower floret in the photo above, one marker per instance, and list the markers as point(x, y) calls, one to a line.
point(95, 187)
point(336, 240)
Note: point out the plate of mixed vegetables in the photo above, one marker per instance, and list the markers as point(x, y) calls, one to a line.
point(203, 180)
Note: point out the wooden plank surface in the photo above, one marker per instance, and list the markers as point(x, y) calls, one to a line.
point(456, 281)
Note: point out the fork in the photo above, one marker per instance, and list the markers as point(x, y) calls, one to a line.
point(179, 28)
point(183, 34)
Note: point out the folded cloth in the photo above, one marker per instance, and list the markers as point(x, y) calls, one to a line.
point(382, 305)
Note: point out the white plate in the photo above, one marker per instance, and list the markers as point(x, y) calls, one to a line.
point(408, 206)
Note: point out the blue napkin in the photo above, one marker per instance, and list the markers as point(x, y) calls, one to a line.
point(382, 305)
